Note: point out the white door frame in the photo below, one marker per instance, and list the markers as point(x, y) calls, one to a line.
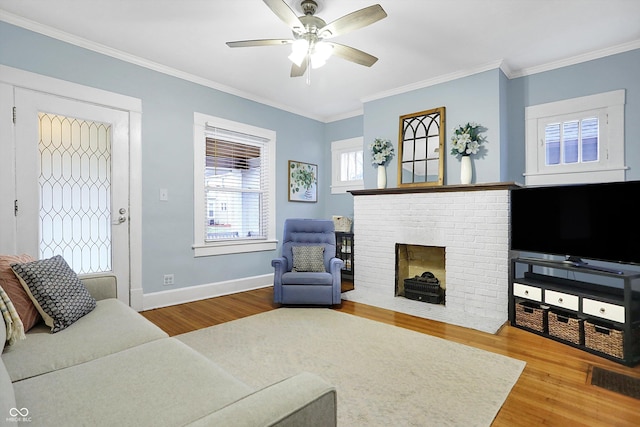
point(13, 77)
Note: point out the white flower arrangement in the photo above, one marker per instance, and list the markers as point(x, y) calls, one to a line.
point(381, 152)
point(466, 139)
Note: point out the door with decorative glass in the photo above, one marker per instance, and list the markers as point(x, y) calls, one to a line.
point(72, 180)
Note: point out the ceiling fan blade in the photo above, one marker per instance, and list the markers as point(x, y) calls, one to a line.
point(286, 14)
point(353, 55)
point(265, 42)
point(353, 21)
point(299, 71)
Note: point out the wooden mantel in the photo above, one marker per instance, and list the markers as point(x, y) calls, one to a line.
point(438, 189)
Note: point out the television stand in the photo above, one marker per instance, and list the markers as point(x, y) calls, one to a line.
point(595, 310)
point(579, 263)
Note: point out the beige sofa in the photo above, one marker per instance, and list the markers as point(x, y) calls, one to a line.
point(113, 367)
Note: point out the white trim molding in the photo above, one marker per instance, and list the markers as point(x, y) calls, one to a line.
point(200, 247)
point(209, 290)
point(337, 149)
point(608, 107)
point(14, 77)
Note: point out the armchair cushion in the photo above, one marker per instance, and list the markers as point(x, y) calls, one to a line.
point(308, 258)
point(307, 278)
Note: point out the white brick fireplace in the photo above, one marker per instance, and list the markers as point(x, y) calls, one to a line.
point(470, 222)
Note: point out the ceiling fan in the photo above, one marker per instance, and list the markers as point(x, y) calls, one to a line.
point(310, 35)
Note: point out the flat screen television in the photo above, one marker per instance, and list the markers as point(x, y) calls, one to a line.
point(586, 221)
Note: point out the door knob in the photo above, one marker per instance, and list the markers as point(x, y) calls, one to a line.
point(119, 220)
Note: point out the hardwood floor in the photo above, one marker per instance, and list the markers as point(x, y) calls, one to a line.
point(553, 390)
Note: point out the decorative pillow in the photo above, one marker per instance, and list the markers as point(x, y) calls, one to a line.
point(56, 291)
point(14, 330)
point(9, 282)
point(308, 258)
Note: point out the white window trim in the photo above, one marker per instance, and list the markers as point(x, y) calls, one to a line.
point(200, 247)
point(610, 167)
point(337, 149)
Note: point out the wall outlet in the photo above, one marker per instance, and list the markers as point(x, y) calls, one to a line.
point(168, 279)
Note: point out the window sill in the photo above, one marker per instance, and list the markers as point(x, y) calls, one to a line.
point(231, 247)
point(576, 177)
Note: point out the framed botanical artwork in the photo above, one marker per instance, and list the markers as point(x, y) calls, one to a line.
point(303, 182)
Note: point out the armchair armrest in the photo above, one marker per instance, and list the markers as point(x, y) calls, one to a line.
point(280, 264)
point(335, 268)
point(335, 265)
point(302, 400)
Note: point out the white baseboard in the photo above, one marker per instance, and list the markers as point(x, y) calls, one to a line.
point(199, 292)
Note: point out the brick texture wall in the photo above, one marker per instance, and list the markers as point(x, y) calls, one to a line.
point(473, 226)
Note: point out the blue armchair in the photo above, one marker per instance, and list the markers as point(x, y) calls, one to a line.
point(308, 271)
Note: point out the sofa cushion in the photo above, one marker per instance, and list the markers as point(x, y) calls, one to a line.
point(7, 397)
point(304, 399)
point(18, 296)
point(55, 290)
point(111, 327)
point(161, 383)
point(308, 258)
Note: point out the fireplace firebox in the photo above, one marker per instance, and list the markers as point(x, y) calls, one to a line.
point(420, 273)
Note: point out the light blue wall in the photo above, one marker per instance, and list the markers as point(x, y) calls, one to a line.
point(471, 99)
point(621, 71)
point(168, 104)
point(340, 204)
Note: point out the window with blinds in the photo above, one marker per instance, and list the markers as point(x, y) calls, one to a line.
point(574, 141)
point(235, 186)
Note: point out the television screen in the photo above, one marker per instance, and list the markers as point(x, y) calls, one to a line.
point(590, 221)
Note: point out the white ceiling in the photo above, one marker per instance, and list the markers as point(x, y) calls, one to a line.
point(421, 42)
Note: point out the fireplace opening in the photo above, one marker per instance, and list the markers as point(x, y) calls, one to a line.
point(420, 273)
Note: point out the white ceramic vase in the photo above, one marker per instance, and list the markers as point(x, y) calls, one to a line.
point(466, 172)
point(382, 176)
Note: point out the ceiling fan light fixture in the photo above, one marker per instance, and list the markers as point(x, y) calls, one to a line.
point(299, 49)
point(309, 32)
point(320, 54)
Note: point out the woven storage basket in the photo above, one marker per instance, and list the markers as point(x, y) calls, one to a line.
point(531, 316)
point(604, 339)
point(342, 223)
point(565, 326)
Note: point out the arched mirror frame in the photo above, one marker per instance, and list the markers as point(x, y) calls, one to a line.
point(421, 146)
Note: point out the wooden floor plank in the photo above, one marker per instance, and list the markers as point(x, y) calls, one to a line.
point(553, 390)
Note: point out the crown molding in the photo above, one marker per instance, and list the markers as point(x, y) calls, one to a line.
point(136, 60)
point(432, 82)
point(342, 116)
point(585, 57)
point(117, 54)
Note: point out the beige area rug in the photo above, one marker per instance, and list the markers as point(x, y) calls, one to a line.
point(384, 375)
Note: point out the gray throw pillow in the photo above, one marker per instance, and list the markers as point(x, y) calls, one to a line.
point(55, 290)
point(308, 258)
